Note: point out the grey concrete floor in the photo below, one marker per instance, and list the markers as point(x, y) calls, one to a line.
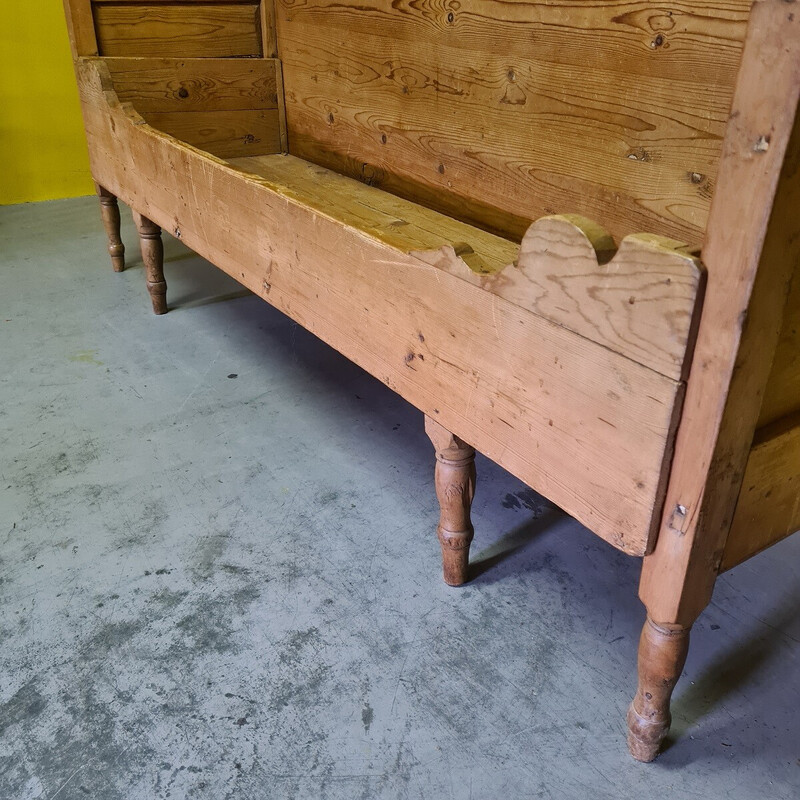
point(219, 575)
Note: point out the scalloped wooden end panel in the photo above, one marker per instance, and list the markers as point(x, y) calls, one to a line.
point(642, 300)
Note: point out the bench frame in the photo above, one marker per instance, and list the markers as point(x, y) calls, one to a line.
point(706, 505)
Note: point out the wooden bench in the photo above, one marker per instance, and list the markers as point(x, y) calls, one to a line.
point(564, 231)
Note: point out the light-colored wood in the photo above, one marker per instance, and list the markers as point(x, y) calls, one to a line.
point(195, 84)
point(153, 257)
point(109, 211)
point(662, 654)
point(80, 27)
point(454, 479)
point(269, 35)
point(223, 133)
point(201, 30)
point(639, 302)
point(585, 426)
point(501, 113)
point(753, 241)
point(768, 508)
point(394, 221)
point(782, 394)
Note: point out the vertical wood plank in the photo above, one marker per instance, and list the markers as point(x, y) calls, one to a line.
point(752, 242)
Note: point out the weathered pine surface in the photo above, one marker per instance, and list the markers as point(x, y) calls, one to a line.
point(615, 111)
point(584, 425)
point(227, 107)
point(180, 30)
point(639, 302)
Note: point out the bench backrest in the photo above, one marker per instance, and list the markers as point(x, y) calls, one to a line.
point(499, 112)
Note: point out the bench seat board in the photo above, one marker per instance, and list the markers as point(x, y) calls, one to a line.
point(576, 421)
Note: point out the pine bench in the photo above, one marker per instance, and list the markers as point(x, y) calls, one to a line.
point(565, 231)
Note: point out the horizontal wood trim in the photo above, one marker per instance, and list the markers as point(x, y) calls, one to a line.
point(197, 84)
point(640, 302)
point(609, 110)
point(768, 508)
point(180, 31)
point(226, 134)
point(587, 427)
point(396, 222)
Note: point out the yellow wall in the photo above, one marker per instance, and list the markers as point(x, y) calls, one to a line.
point(42, 145)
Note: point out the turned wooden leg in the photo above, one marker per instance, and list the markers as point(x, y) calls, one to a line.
point(109, 210)
point(153, 257)
point(455, 488)
point(662, 654)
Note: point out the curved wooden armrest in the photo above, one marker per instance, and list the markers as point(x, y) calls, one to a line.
point(641, 300)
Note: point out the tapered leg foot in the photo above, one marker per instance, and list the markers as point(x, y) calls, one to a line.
point(455, 488)
point(109, 210)
point(153, 257)
point(662, 654)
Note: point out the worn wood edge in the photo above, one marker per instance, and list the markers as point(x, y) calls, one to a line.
point(768, 507)
point(558, 250)
point(80, 27)
point(751, 242)
point(634, 541)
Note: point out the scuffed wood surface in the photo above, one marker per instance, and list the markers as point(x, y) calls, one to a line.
point(585, 426)
point(639, 302)
point(615, 111)
point(752, 244)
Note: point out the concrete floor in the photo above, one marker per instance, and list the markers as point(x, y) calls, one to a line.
point(219, 576)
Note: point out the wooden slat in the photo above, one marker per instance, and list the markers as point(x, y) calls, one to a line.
point(178, 31)
point(394, 221)
point(585, 426)
point(639, 302)
point(782, 395)
point(615, 111)
point(768, 509)
point(753, 241)
point(198, 84)
point(80, 27)
point(269, 34)
point(226, 134)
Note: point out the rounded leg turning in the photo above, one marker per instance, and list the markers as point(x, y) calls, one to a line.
point(662, 654)
point(455, 488)
point(109, 211)
point(153, 257)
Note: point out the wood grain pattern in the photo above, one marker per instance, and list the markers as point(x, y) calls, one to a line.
point(768, 508)
point(499, 136)
point(178, 30)
point(195, 84)
point(640, 302)
point(223, 133)
point(585, 426)
point(752, 243)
